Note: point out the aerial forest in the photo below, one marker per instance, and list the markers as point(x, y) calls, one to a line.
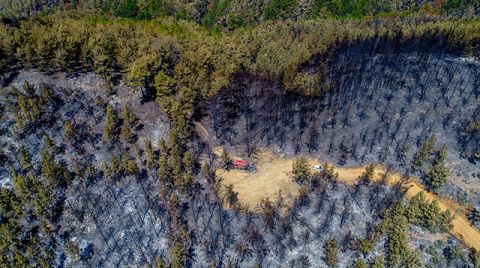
point(233, 133)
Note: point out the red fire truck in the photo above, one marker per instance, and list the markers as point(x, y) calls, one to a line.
point(244, 164)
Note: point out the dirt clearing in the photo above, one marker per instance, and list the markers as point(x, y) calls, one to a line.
point(274, 176)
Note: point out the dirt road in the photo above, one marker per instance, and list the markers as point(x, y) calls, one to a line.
point(462, 228)
point(274, 175)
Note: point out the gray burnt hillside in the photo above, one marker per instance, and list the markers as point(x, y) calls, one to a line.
point(104, 161)
point(382, 107)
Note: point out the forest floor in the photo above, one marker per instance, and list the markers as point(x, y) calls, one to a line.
point(274, 177)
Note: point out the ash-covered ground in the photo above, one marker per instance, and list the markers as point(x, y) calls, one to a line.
point(381, 108)
point(105, 218)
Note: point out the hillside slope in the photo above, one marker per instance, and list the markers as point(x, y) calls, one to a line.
point(383, 106)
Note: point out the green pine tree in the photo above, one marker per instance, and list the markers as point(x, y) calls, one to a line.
point(110, 130)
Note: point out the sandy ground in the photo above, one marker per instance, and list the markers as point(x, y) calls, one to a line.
point(273, 177)
point(274, 173)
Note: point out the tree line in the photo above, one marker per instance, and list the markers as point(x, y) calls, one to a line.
point(228, 14)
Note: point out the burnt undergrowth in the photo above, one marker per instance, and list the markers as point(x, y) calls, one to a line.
point(383, 102)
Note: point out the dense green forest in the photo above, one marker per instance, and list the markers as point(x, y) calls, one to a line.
point(229, 14)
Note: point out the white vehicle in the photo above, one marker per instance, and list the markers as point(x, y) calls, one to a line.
point(317, 168)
